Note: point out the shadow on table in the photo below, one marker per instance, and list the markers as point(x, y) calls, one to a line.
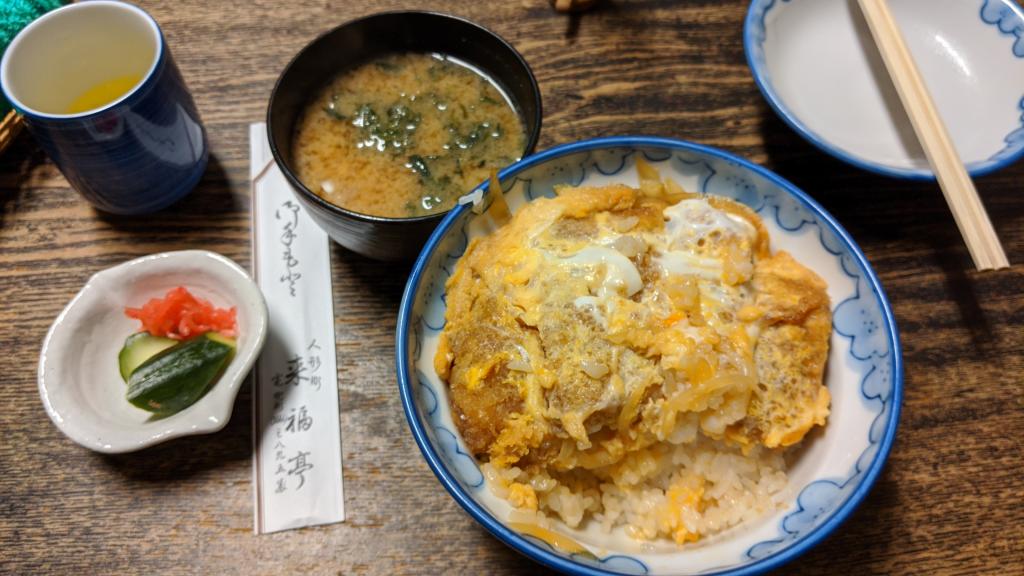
point(210, 200)
point(22, 157)
point(205, 211)
point(903, 226)
point(382, 283)
point(183, 457)
point(574, 19)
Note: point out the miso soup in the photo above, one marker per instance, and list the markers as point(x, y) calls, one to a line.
point(405, 135)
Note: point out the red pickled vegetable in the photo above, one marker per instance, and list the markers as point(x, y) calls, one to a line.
point(180, 315)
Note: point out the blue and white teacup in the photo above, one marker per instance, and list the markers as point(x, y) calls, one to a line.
point(99, 90)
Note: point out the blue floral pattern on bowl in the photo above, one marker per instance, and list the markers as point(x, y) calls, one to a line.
point(829, 479)
point(975, 24)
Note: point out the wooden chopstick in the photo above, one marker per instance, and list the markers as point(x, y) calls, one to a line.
point(956, 184)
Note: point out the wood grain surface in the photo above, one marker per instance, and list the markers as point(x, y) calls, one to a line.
point(948, 502)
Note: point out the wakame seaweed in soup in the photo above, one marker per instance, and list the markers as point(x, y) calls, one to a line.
point(405, 135)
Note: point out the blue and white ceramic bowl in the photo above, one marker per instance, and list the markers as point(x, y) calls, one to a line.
point(816, 64)
point(834, 471)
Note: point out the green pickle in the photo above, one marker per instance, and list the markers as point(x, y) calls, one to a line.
point(176, 377)
point(138, 348)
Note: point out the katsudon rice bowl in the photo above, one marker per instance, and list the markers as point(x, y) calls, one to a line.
point(652, 357)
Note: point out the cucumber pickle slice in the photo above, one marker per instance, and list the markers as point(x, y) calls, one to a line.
point(178, 376)
point(138, 348)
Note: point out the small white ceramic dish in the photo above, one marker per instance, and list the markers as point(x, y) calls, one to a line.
point(79, 382)
point(816, 64)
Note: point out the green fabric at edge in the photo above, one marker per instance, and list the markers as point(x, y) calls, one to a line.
point(15, 15)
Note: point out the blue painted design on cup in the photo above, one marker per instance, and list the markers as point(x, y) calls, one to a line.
point(137, 154)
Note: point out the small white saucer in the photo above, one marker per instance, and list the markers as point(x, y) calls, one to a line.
point(79, 382)
point(817, 65)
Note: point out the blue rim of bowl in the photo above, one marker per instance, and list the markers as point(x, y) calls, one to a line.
point(135, 90)
point(757, 69)
point(512, 538)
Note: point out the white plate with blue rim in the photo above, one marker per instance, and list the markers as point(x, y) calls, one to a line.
point(816, 64)
point(833, 472)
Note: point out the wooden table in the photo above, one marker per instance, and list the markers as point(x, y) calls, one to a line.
point(948, 502)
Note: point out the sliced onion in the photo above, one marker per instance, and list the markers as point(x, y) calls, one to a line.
point(523, 353)
point(519, 366)
point(625, 224)
point(629, 246)
point(594, 369)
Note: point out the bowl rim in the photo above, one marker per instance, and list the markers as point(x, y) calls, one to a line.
point(753, 21)
point(512, 538)
point(532, 125)
point(211, 412)
point(136, 89)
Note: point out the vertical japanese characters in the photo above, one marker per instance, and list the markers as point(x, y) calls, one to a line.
point(291, 465)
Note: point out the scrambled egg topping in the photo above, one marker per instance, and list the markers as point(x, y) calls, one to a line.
point(595, 324)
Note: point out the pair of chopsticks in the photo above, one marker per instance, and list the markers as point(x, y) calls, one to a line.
point(960, 193)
